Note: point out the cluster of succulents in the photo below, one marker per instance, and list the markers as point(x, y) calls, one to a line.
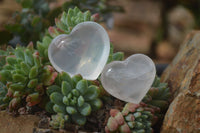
point(73, 99)
point(25, 77)
point(139, 118)
point(158, 96)
point(64, 25)
point(3, 55)
point(103, 7)
point(4, 101)
point(134, 118)
point(30, 23)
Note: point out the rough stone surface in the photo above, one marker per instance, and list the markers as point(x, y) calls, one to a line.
point(183, 116)
point(183, 77)
point(165, 51)
point(21, 124)
point(180, 22)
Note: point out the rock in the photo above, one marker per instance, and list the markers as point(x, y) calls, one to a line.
point(183, 115)
point(20, 124)
point(183, 78)
point(182, 69)
point(24, 124)
point(180, 23)
point(165, 52)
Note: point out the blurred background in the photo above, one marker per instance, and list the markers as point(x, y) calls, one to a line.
point(153, 27)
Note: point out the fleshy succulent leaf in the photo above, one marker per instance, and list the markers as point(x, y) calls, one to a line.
point(33, 72)
point(134, 118)
point(80, 101)
point(85, 109)
point(11, 60)
point(82, 86)
point(28, 57)
point(59, 108)
point(71, 110)
point(6, 75)
point(96, 104)
point(65, 77)
point(53, 88)
point(92, 93)
point(32, 83)
point(49, 107)
point(112, 124)
point(75, 79)
point(65, 88)
point(56, 98)
point(79, 119)
point(33, 99)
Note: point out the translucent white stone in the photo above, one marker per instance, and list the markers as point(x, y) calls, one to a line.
point(129, 80)
point(85, 51)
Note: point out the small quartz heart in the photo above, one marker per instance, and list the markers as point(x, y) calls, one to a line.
point(129, 80)
point(85, 51)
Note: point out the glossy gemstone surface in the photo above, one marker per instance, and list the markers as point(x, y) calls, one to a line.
point(129, 80)
point(85, 51)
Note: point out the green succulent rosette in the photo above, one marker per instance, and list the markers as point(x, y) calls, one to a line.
point(73, 97)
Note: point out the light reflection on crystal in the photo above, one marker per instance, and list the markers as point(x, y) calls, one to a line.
point(129, 80)
point(85, 51)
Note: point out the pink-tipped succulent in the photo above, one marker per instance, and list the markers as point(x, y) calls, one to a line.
point(134, 118)
point(139, 118)
point(25, 77)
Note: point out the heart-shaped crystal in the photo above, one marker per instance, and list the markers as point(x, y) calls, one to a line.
point(85, 51)
point(129, 80)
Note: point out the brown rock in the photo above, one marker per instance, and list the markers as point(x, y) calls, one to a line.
point(183, 77)
point(180, 22)
point(24, 124)
point(164, 51)
point(21, 124)
point(181, 71)
point(183, 116)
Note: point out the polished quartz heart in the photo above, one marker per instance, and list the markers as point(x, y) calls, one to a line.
point(85, 51)
point(129, 80)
